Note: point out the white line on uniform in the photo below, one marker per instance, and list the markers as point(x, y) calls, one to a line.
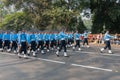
point(91, 67)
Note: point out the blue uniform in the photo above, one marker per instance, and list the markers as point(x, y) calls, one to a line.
point(32, 37)
point(14, 37)
point(22, 37)
point(6, 37)
point(40, 37)
point(85, 35)
point(70, 36)
point(77, 36)
point(6, 40)
point(107, 37)
point(33, 42)
point(1, 36)
point(62, 36)
point(23, 40)
point(52, 37)
point(46, 37)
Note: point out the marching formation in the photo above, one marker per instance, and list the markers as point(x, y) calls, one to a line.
point(24, 43)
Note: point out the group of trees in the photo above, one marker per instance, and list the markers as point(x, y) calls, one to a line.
point(61, 14)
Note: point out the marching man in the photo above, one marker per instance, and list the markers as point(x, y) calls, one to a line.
point(107, 39)
point(85, 34)
point(77, 39)
point(62, 36)
point(22, 41)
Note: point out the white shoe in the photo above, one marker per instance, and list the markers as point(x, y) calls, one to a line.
point(58, 48)
point(32, 51)
point(25, 56)
point(18, 54)
point(68, 45)
point(42, 51)
point(34, 54)
point(45, 48)
point(102, 50)
point(48, 50)
point(15, 51)
point(88, 46)
point(1, 49)
point(82, 45)
point(79, 49)
point(57, 52)
point(22, 52)
point(52, 49)
point(109, 51)
point(38, 49)
point(73, 48)
point(8, 50)
point(65, 54)
point(28, 51)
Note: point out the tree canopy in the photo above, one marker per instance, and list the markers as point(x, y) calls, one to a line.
point(62, 14)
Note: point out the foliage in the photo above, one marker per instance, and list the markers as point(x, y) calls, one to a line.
point(16, 21)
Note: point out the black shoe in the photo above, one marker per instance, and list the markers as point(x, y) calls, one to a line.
point(58, 55)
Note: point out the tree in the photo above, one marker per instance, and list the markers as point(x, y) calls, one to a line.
point(106, 13)
point(16, 21)
point(50, 13)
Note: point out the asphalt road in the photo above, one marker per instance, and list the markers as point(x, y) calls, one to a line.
point(88, 64)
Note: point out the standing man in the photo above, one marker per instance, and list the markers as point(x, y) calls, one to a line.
point(107, 38)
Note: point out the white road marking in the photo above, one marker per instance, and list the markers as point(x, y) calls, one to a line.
point(60, 62)
point(7, 53)
point(96, 53)
point(39, 59)
point(48, 60)
point(91, 67)
point(107, 54)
